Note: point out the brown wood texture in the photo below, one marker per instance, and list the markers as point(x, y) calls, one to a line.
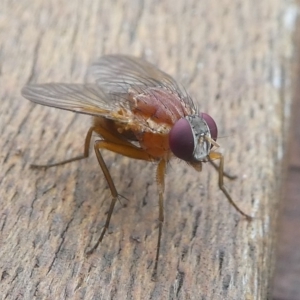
point(287, 271)
point(234, 58)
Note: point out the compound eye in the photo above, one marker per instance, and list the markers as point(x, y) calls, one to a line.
point(181, 140)
point(211, 125)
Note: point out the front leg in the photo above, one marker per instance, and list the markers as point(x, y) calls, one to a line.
point(225, 174)
point(220, 169)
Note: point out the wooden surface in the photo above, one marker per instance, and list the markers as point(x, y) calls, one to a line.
point(287, 271)
point(234, 58)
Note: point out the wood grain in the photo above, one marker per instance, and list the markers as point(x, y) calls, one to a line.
point(287, 271)
point(234, 57)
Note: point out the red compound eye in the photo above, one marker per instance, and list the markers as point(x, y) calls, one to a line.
point(181, 140)
point(211, 125)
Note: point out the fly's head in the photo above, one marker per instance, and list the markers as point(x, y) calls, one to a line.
point(191, 138)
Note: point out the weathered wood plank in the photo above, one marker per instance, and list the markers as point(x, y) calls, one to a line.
point(234, 58)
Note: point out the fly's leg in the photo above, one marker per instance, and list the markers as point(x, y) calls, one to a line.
point(84, 155)
point(220, 169)
point(137, 153)
point(160, 177)
point(124, 149)
point(225, 174)
point(113, 191)
point(215, 155)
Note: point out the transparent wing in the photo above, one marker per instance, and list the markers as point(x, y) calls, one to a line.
point(119, 72)
point(115, 74)
point(83, 98)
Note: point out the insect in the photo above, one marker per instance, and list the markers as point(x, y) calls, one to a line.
point(142, 113)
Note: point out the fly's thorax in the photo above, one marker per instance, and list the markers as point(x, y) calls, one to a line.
point(157, 105)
